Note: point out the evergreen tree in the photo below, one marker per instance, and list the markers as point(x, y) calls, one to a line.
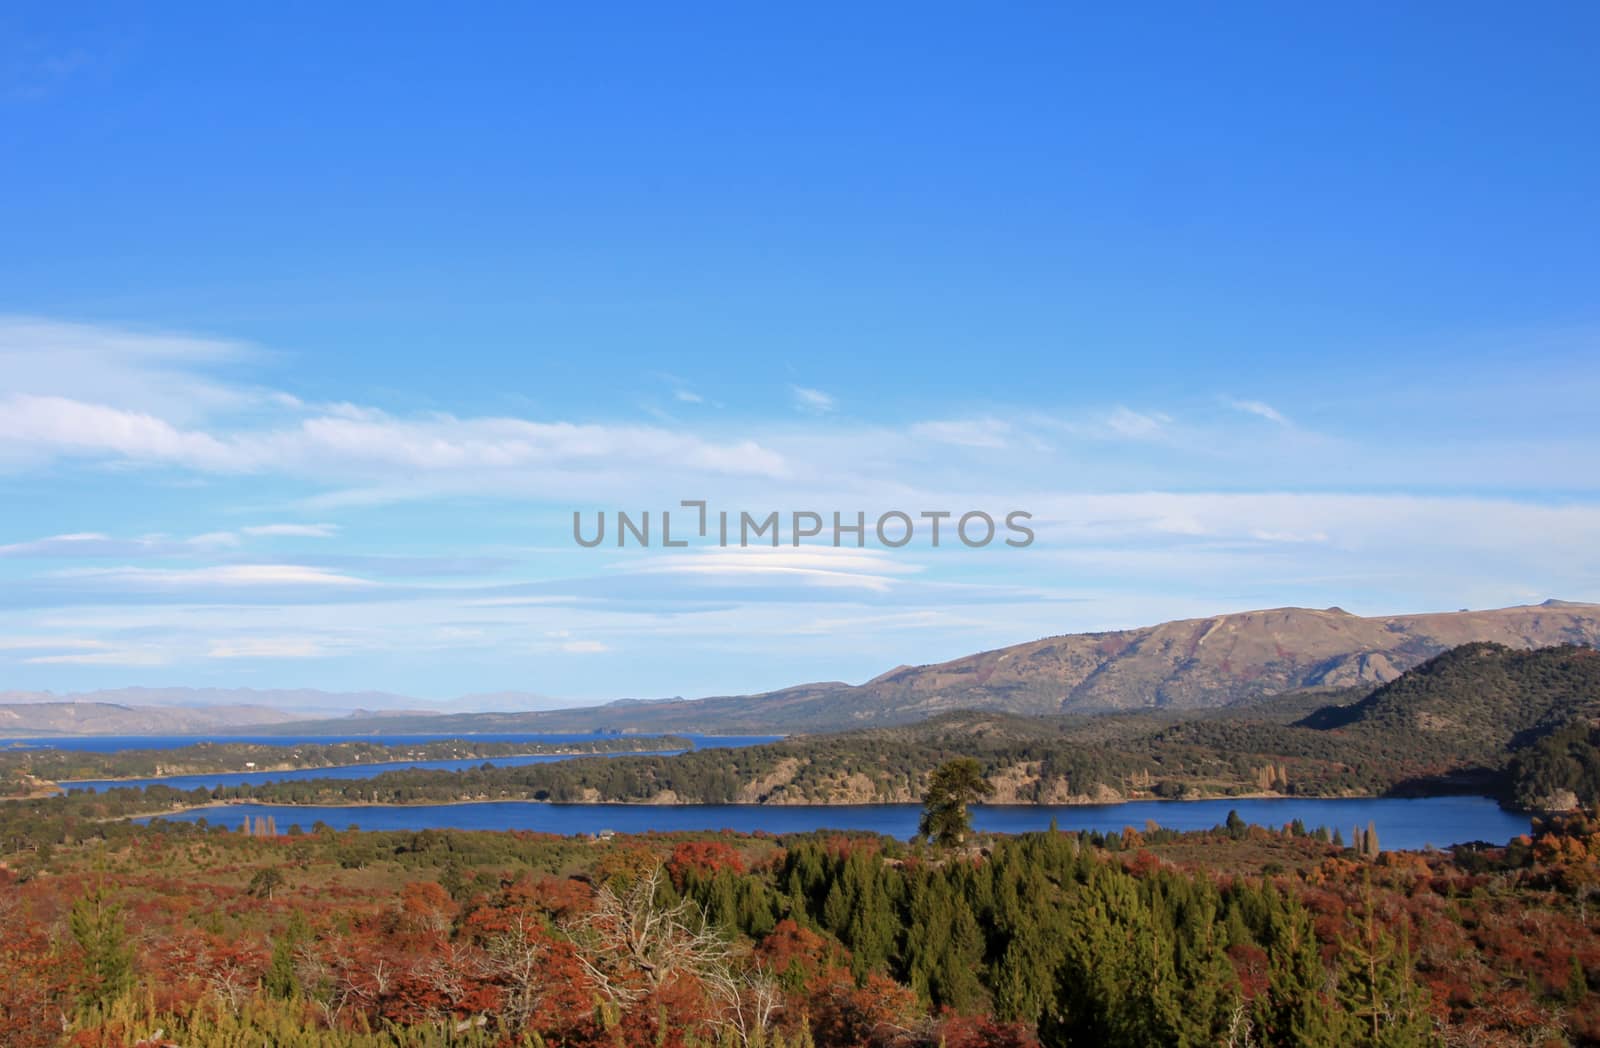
point(953, 785)
point(280, 981)
point(97, 927)
point(1577, 981)
point(1295, 1011)
point(1378, 989)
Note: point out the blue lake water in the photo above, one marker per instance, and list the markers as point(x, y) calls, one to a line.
point(1401, 822)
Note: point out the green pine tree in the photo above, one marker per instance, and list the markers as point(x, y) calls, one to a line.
point(1295, 1011)
point(97, 927)
point(953, 785)
point(1378, 988)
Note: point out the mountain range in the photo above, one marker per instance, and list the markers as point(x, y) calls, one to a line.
point(1183, 665)
point(1189, 664)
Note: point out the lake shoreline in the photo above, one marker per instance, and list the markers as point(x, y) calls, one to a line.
point(1403, 822)
point(234, 802)
point(152, 780)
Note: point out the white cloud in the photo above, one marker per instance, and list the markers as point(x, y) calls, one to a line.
point(139, 371)
point(266, 648)
point(213, 540)
point(333, 445)
point(221, 575)
point(688, 396)
point(57, 545)
point(101, 658)
point(812, 401)
point(584, 647)
point(969, 433)
point(1259, 409)
point(48, 643)
point(834, 567)
point(304, 531)
point(96, 544)
point(51, 425)
point(1136, 425)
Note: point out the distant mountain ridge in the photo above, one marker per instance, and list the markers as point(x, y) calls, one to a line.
point(304, 699)
point(188, 711)
point(1190, 664)
point(1186, 664)
point(106, 718)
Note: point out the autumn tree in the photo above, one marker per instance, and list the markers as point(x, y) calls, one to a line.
point(952, 787)
point(34, 981)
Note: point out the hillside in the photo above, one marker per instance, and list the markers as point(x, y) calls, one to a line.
point(1479, 697)
point(1462, 722)
point(1186, 665)
point(1534, 713)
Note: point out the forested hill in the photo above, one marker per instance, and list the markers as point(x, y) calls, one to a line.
point(1480, 696)
point(1535, 712)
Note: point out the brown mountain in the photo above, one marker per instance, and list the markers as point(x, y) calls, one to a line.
point(105, 718)
point(1189, 664)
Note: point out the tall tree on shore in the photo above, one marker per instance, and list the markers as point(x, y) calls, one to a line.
point(953, 785)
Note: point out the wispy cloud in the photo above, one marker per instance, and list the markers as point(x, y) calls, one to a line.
point(267, 648)
point(1137, 425)
point(220, 575)
point(160, 373)
point(827, 566)
point(102, 658)
point(813, 401)
point(49, 643)
point(1258, 408)
point(331, 444)
point(97, 545)
point(968, 433)
point(303, 531)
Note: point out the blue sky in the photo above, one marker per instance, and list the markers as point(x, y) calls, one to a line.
point(315, 327)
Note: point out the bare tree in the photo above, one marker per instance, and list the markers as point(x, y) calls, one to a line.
point(1240, 1028)
point(750, 997)
point(515, 958)
point(633, 942)
point(451, 973)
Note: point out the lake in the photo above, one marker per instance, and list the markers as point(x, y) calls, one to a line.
point(1407, 823)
